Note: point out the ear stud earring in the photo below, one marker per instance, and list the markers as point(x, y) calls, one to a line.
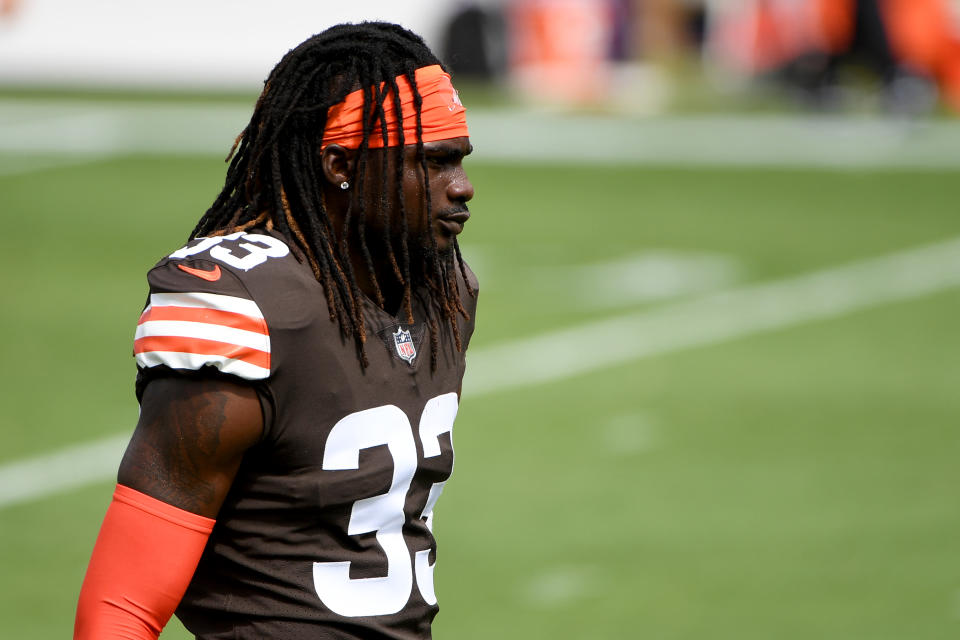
point(344, 185)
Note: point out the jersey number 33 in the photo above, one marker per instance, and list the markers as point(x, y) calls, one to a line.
point(384, 514)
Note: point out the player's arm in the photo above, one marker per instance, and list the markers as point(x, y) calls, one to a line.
point(174, 476)
point(189, 441)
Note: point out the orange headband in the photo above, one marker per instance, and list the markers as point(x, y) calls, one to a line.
point(442, 115)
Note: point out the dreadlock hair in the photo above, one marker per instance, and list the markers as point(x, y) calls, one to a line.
point(274, 177)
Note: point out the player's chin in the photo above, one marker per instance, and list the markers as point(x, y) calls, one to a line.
point(446, 234)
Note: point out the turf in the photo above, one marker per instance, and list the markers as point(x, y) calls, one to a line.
point(800, 483)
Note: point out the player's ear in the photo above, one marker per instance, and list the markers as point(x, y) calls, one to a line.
point(337, 164)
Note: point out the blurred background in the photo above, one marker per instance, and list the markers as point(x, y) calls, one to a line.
point(713, 388)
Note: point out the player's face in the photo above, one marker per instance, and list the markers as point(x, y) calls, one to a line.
point(450, 190)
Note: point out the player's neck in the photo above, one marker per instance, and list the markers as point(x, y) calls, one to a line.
point(390, 287)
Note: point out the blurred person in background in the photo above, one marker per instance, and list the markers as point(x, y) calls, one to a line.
point(299, 366)
point(588, 52)
point(912, 47)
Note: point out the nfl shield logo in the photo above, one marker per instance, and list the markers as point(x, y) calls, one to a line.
point(404, 344)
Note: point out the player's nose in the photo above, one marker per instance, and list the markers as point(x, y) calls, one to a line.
point(460, 189)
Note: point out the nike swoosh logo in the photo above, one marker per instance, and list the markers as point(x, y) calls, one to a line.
point(210, 276)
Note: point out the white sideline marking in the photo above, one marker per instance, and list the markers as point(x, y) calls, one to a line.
point(563, 354)
point(63, 470)
point(514, 135)
point(836, 142)
point(16, 166)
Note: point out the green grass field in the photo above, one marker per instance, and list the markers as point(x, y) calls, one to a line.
point(800, 482)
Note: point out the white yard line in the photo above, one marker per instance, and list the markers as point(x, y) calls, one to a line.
point(560, 355)
point(62, 470)
point(713, 318)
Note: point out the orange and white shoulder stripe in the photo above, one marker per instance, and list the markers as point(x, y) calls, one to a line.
point(194, 330)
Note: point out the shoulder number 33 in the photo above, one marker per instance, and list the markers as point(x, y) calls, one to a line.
point(384, 514)
point(239, 250)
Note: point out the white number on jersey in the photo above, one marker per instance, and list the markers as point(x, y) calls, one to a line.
point(254, 249)
point(387, 425)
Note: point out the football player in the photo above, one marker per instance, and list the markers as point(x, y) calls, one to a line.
point(299, 366)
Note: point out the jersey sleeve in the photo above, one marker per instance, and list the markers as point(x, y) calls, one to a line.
point(199, 315)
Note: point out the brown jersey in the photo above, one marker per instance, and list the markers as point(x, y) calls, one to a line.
point(326, 531)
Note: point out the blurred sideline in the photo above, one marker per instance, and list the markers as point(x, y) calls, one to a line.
point(77, 131)
point(710, 319)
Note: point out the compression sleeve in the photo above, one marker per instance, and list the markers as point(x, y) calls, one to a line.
point(143, 560)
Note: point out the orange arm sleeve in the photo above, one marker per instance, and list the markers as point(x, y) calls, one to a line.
point(143, 560)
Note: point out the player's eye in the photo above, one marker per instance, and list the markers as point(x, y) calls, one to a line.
point(440, 160)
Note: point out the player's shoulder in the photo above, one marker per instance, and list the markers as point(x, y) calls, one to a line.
point(242, 264)
point(253, 266)
point(241, 252)
point(211, 303)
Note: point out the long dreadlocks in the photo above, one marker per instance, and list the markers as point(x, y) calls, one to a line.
point(274, 177)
